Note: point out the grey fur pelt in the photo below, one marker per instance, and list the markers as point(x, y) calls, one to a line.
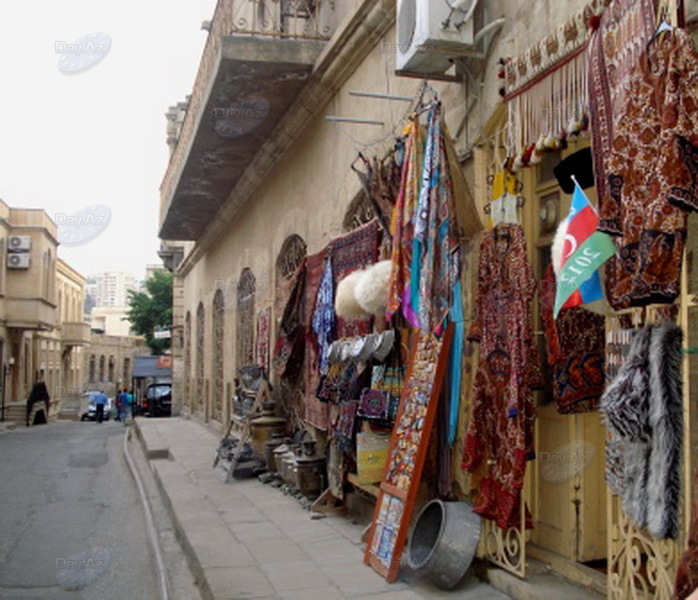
point(666, 423)
point(642, 407)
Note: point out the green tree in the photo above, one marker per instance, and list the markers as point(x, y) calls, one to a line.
point(152, 309)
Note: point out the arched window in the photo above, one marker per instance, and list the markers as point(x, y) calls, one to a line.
point(290, 258)
point(200, 323)
point(288, 262)
point(218, 331)
point(112, 365)
point(92, 368)
point(187, 359)
point(245, 319)
point(359, 213)
point(291, 255)
point(101, 368)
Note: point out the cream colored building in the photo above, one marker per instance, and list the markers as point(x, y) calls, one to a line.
point(110, 320)
point(41, 300)
point(239, 199)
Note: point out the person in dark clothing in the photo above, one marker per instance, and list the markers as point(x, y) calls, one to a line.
point(39, 393)
point(100, 401)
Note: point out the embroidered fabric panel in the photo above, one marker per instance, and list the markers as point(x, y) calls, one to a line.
point(649, 191)
point(500, 432)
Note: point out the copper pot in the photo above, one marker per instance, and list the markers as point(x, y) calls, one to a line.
point(288, 464)
point(277, 439)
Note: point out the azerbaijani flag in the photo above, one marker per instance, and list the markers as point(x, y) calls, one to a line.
point(585, 250)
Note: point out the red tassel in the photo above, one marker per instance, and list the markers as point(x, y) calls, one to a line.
point(594, 22)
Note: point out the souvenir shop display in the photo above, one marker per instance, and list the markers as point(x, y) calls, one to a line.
point(407, 453)
point(500, 432)
point(643, 410)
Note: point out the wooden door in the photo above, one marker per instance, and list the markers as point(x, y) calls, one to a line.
point(568, 473)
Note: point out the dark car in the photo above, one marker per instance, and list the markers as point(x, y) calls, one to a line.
point(157, 401)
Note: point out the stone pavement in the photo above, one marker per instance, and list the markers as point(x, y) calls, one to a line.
point(248, 540)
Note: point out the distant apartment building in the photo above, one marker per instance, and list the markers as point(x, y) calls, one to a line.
point(110, 288)
point(151, 269)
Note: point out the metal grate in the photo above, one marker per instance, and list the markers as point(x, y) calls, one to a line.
point(218, 331)
point(245, 319)
point(200, 323)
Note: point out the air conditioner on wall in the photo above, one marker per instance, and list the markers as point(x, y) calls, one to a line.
point(19, 243)
point(18, 261)
point(432, 33)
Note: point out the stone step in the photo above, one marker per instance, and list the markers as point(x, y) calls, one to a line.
point(540, 584)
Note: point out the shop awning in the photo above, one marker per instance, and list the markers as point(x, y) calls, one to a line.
point(151, 366)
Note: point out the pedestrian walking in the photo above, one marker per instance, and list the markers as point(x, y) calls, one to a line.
point(39, 393)
point(122, 404)
point(100, 401)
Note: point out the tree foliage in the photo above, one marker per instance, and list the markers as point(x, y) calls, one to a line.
point(152, 309)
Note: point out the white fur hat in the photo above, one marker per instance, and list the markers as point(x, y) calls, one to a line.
point(345, 302)
point(371, 289)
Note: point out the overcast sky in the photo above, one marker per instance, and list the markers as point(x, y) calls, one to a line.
point(98, 136)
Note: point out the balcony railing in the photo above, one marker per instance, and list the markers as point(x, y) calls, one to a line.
point(300, 19)
point(289, 19)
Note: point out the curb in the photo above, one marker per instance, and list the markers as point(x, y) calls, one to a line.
point(189, 552)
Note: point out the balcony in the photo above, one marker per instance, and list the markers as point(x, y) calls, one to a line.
point(75, 334)
point(259, 55)
point(30, 313)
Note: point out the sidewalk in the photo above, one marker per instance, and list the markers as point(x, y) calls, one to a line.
point(248, 540)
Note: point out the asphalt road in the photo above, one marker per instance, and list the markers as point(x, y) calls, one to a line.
point(71, 525)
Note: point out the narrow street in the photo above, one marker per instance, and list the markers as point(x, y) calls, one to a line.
point(67, 495)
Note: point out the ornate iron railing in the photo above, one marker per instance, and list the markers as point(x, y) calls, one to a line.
point(300, 19)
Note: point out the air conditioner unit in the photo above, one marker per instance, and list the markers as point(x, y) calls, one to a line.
point(19, 243)
point(18, 261)
point(430, 34)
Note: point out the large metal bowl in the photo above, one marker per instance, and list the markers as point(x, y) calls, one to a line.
point(444, 541)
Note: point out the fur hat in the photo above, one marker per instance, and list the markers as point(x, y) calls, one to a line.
point(371, 289)
point(345, 303)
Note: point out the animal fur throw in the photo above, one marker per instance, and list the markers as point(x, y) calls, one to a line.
point(371, 289)
point(345, 302)
point(643, 409)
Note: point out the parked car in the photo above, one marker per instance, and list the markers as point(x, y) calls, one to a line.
point(91, 413)
point(157, 401)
